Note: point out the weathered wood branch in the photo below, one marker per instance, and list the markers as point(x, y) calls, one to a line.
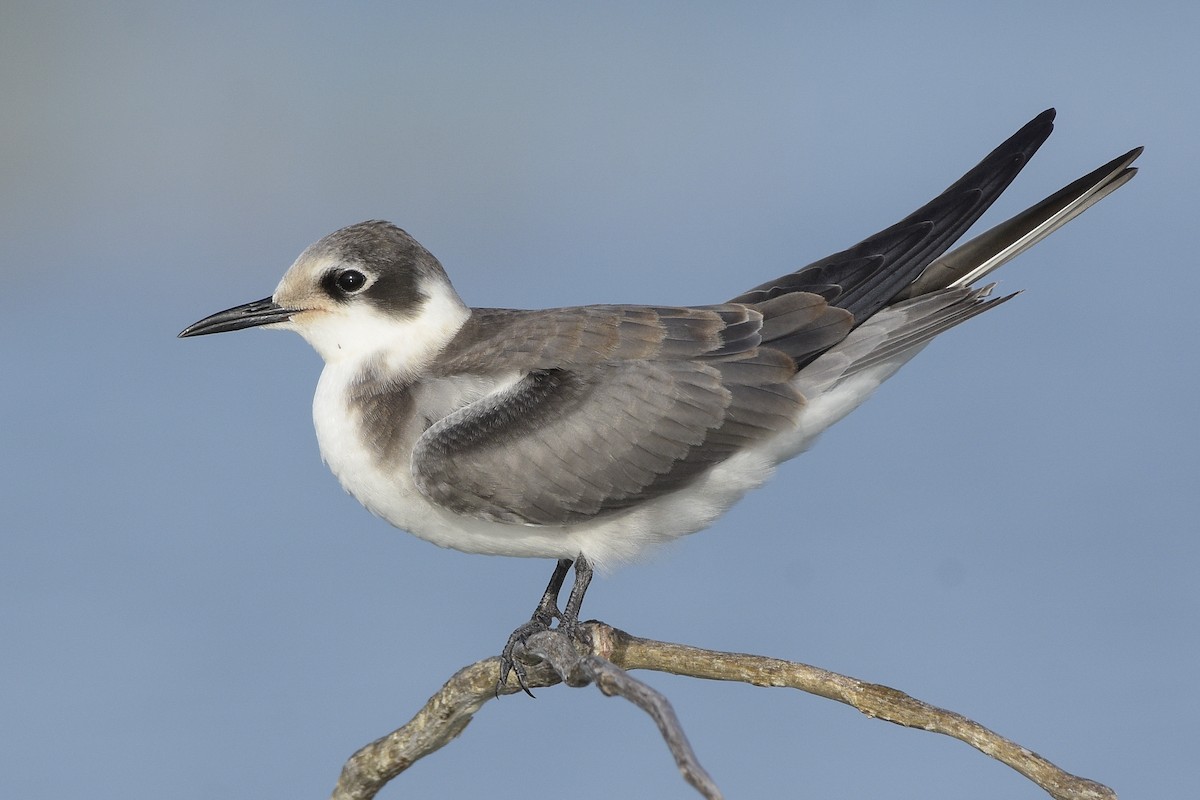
point(553, 658)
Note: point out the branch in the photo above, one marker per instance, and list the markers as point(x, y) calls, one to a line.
point(553, 658)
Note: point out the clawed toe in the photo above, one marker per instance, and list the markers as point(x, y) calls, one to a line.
point(509, 663)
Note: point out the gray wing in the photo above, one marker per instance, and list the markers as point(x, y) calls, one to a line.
point(614, 405)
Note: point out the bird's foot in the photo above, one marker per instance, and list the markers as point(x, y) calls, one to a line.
point(545, 614)
point(569, 627)
point(538, 623)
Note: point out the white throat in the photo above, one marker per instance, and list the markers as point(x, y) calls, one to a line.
point(359, 332)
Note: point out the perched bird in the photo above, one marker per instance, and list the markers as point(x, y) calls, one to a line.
point(589, 434)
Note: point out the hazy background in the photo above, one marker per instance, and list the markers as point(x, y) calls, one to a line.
point(190, 607)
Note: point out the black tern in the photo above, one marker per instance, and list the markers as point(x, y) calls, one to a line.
point(590, 434)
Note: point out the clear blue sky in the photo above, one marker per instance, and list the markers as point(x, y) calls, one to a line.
point(189, 604)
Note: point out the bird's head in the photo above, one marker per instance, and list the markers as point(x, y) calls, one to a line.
point(369, 290)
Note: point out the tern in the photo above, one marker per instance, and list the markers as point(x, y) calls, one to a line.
point(590, 434)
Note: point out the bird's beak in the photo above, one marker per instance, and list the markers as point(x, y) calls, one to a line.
point(250, 315)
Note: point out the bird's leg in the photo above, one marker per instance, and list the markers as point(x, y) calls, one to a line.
point(543, 615)
point(547, 607)
point(569, 618)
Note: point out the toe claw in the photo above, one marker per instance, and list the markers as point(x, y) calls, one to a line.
point(509, 662)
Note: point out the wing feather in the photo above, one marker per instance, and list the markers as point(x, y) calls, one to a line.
point(613, 406)
point(866, 277)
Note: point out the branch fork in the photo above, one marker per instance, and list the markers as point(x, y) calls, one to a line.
point(603, 655)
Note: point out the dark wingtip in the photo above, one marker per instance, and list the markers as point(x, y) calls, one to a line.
point(1037, 129)
point(1042, 122)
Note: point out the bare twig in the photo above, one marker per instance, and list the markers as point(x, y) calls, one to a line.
point(872, 699)
point(577, 669)
point(447, 713)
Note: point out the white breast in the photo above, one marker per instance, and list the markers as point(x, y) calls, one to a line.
point(389, 491)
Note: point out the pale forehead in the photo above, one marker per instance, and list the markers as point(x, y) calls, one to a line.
point(304, 274)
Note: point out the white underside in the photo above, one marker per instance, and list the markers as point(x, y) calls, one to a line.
point(606, 542)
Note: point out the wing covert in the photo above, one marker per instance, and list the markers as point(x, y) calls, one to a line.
point(558, 447)
point(561, 446)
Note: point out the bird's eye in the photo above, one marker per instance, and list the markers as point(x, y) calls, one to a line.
point(351, 280)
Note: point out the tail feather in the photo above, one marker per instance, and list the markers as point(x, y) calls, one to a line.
point(997, 246)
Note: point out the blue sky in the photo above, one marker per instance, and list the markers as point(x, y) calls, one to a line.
point(188, 599)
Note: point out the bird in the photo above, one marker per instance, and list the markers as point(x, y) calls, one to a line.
point(591, 434)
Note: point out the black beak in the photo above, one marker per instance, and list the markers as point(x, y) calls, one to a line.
point(250, 315)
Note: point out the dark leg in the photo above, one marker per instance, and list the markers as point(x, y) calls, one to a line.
point(547, 607)
point(545, 613)
point(583, 577)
